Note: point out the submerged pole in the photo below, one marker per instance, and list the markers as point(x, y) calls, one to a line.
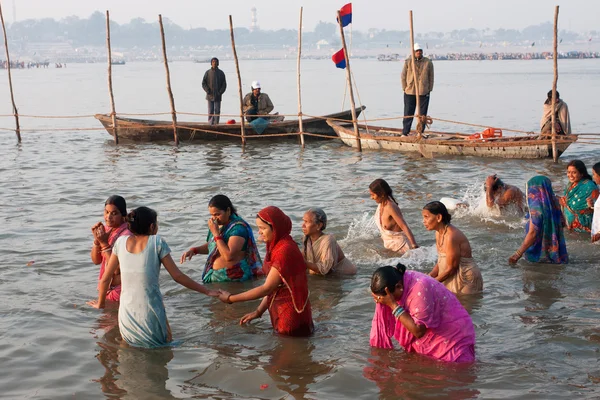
point(349, 79)
point(164, 50)
point(414, 70)
point(237, 68)
point(113, 114)
point(300, 125)
point(554, 82)
point(12, 96)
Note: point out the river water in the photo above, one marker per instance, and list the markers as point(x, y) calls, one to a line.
point(537, 325)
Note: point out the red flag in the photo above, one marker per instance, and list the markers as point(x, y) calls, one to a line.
point(339, 59)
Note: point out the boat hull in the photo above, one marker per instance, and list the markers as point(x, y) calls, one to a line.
point(141, 130)
point(519, 147)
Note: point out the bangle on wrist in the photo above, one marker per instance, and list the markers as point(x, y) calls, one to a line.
point(229, 299)
point(194, 250)
point(518, 253)
point(397, 312)
point(219, 237)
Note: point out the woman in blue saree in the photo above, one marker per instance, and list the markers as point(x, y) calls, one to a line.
point(575, 203)
point(230, 245)
point(544, 240)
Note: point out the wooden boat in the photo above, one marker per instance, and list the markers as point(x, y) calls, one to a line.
point(452, 144)
point(143, 130)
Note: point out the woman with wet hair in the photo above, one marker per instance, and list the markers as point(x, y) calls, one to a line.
point(142, 316)
point(230, 245)
point(105, 236)
point(580, 194)
point(422, 314)
point(395, 233)
point(455, 267)
point(321, 252)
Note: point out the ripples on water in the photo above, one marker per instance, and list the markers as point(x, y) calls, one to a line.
point(537, 333)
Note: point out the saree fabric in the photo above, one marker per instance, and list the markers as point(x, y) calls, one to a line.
point(577, 213)
point(114, 292)
point(326, 253)
point(547, 220)
point(450, 335)
point(596, 219)
point(289, 306)
point(466, 280)
point(244, 270)
point(395, 241)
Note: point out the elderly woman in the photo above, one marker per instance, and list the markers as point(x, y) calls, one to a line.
point(579, 194)
point(595, 206)
point(395, 233)
point(544, 239)
point(321, 252)
point(285, 291)
point(455, 267)
point(230, 245)
point(421, 314)
point(105, 236)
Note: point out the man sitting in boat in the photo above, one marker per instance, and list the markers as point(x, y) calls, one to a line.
point(257, 104)
point(563, 120)
point(498, 193)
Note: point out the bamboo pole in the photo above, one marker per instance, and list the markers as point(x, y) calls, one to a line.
point(554, 82)
point(113, 114)
point(164, 50)
point(414, 70)
point(349, 80)
point(300, 125)
point(12, 96)
point(237, 68)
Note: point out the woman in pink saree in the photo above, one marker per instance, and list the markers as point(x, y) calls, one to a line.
point(422, 314)
point(105, 236)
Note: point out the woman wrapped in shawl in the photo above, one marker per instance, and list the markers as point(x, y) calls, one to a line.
point(579, 194)
point(285, 291)
point(544, 238)
point(230, 245)
point(422, 314)
point(105, 236)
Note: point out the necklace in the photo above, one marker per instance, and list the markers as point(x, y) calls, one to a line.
point(443, 237)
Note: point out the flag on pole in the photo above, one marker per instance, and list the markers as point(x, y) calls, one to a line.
point(346, 14)
point(339, 59)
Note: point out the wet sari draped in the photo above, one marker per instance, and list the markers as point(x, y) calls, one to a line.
point(244, 270)
point(547, 220)
point(289, 306)
point(450, 335)
point(114, 292)
point(577, 212)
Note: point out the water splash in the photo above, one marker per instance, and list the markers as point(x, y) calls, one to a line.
point(361, 228)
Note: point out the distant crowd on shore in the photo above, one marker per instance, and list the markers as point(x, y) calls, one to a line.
point(23, 64)
point(496, 56)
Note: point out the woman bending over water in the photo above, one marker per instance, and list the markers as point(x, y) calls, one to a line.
point(321, 252)
point(455, 268)
point(105, 236)
point(421, 314)
point(142, 317)
point(285, 291)
point(230, 245)
point(395, 233)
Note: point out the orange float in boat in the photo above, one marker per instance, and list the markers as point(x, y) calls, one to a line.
point(487, 134)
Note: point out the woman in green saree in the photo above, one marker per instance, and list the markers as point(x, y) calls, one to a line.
point(578, 213)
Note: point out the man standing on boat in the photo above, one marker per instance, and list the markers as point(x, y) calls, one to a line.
point(214, 84)
point(563, 119)
point(257, 104)
point(424, 71)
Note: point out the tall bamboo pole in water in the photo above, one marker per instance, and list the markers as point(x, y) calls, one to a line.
point(300, 125)
point(237, 68)
point(349, 79)
point(110, 88)
point(164, 49)
point(414, 70)
point(12, 96)
point(555, 57)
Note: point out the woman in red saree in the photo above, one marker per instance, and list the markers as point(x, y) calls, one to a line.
point(105, 236)
point(285, 291)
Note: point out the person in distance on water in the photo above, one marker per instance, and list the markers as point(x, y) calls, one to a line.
point(256, 103)
point(214, 84)
point(424, 71)
point(562, 120)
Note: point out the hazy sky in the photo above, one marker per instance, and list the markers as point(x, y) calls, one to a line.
point(429, 15)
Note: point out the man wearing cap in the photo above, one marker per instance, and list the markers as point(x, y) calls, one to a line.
point(214, 84)
point(424, 71)
point(257, 103)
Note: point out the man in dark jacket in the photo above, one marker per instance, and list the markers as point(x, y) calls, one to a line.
point(214, 84)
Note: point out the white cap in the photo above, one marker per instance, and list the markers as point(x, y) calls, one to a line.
point(418, 47)
point(255, 85)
